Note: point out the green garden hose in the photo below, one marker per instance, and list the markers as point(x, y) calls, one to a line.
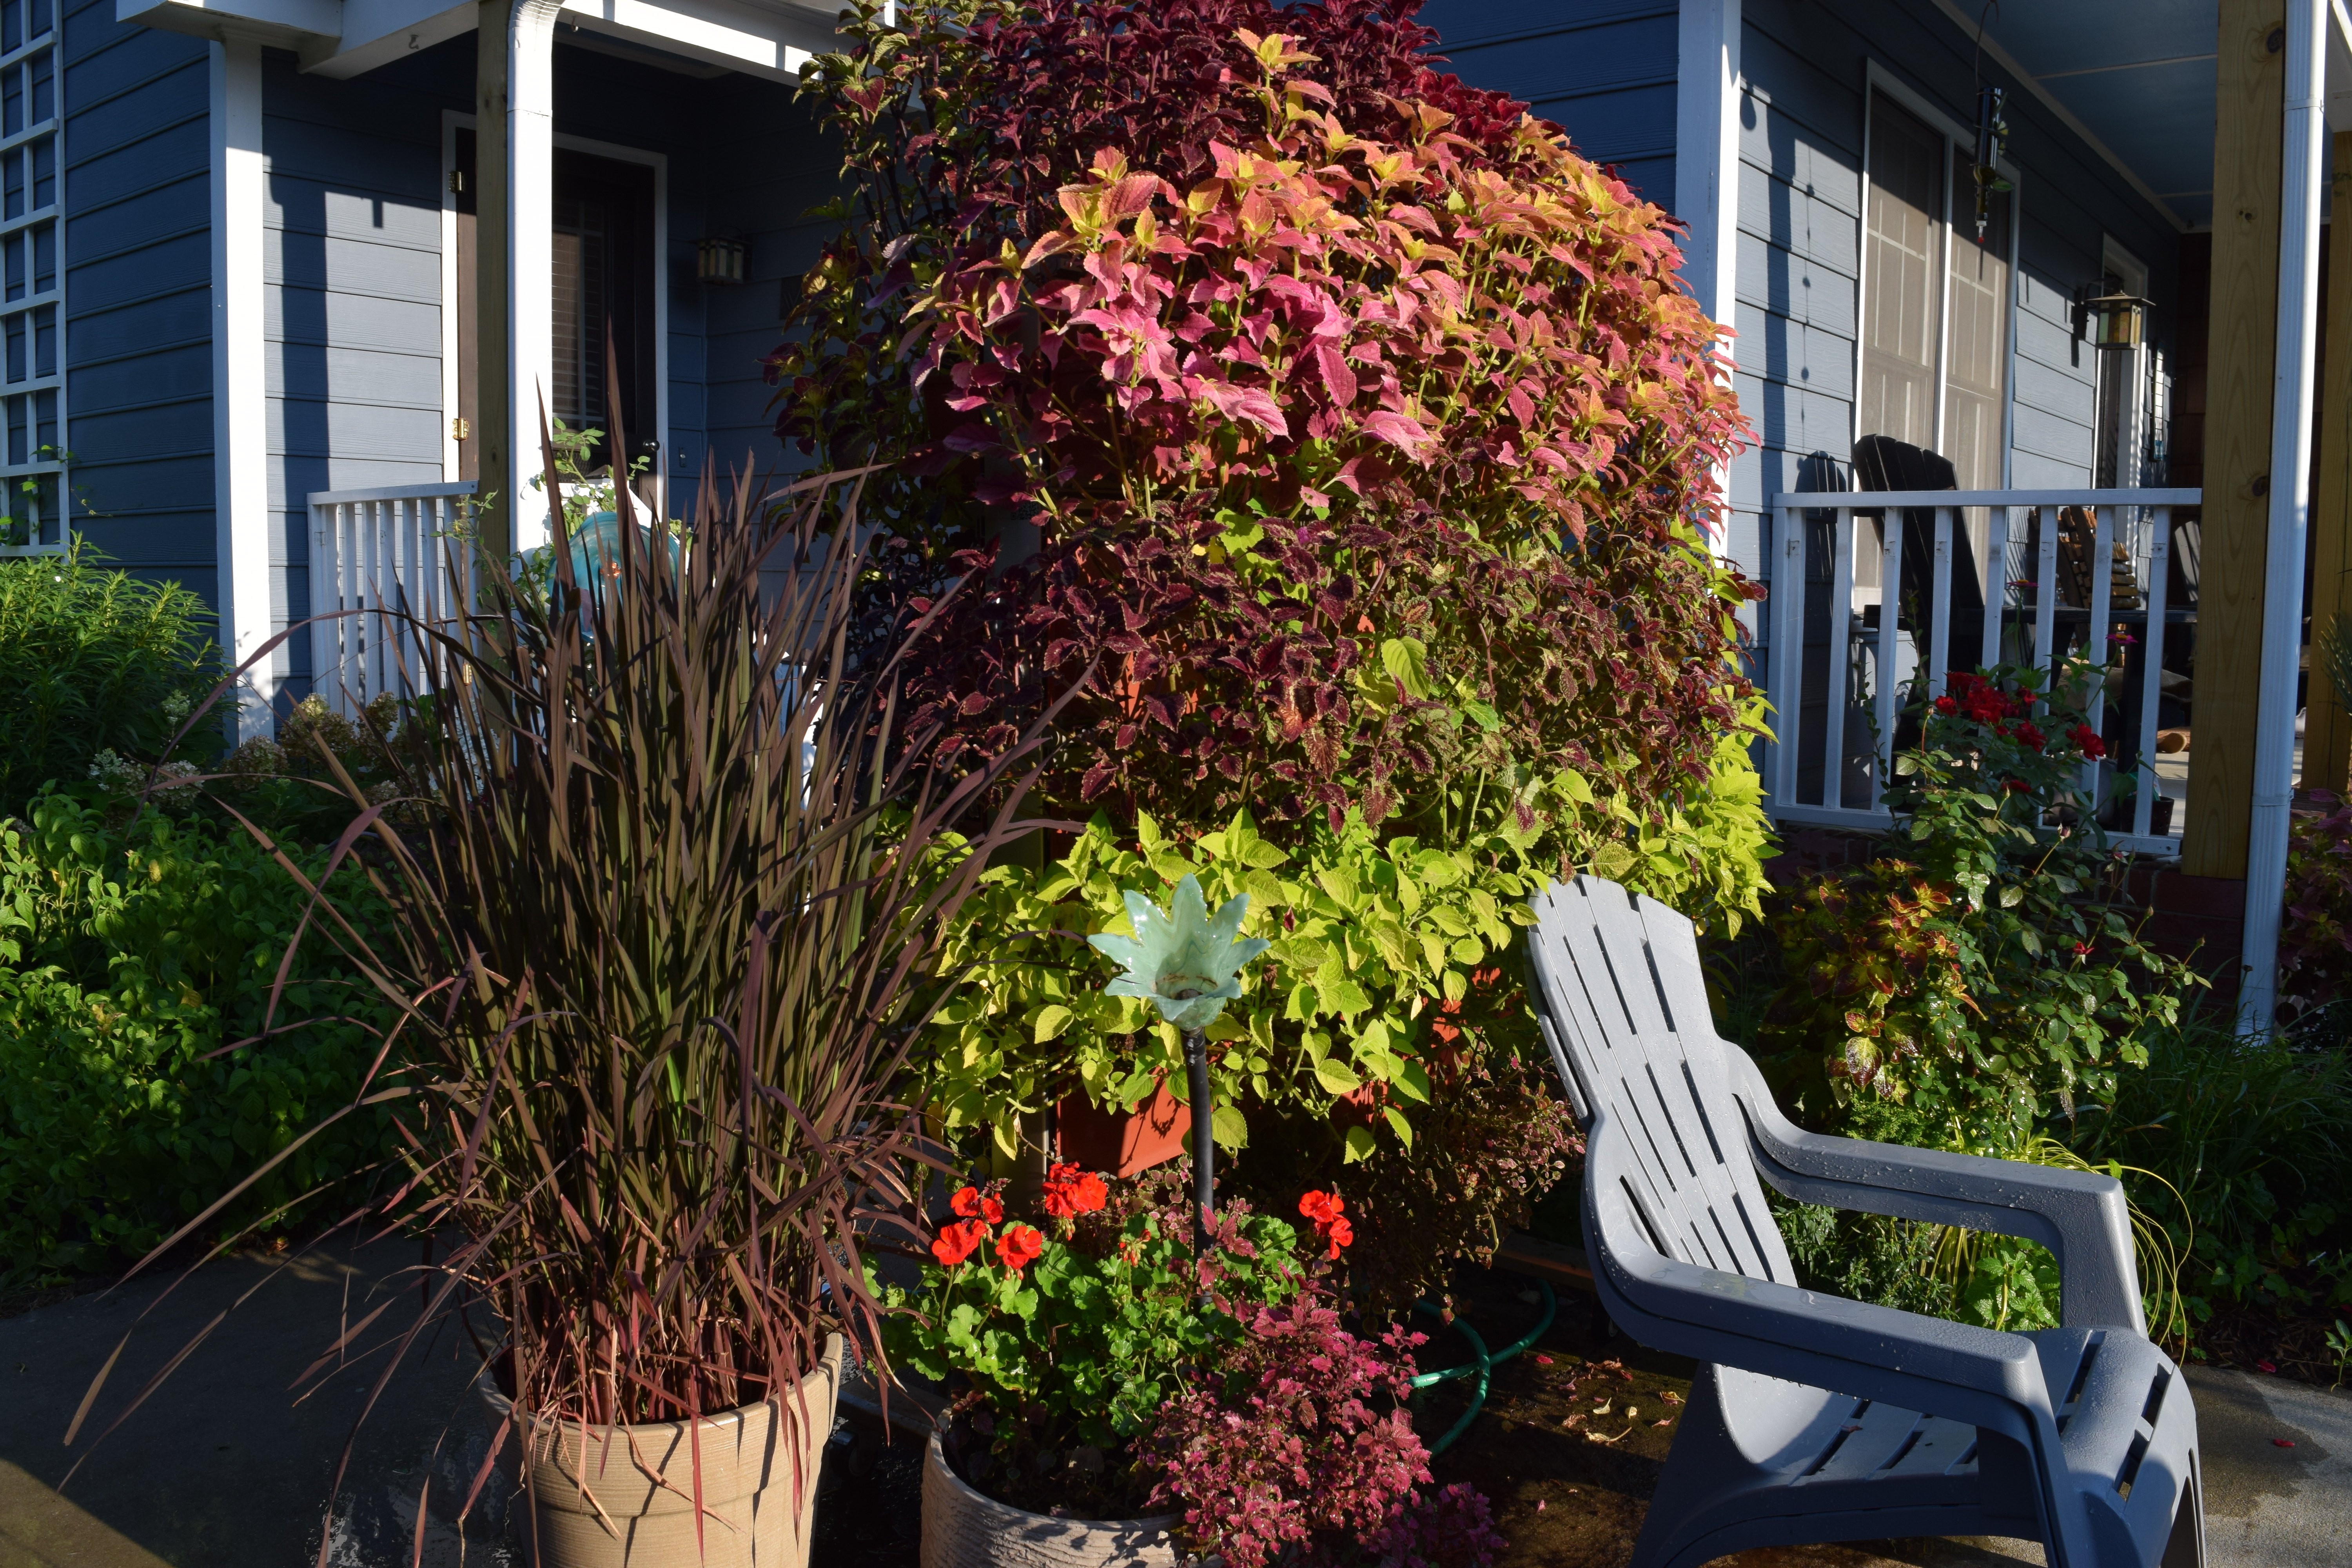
point(1484, 1367)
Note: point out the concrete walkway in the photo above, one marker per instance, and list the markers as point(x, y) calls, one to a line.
point(223, 1469)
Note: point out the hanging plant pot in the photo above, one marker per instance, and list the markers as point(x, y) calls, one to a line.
point(965, 1528)
point(1121, 1144)
point(593, 1505)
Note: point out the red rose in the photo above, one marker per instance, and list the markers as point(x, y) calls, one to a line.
point(959, 1241)
point(972, 1202)
point(2026, 735)
point(1019, 1245)
point(2088, 739)
point(1946, 705)
point(1070, 1191)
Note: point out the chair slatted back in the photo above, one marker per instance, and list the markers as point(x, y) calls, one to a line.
point(1624, 1006)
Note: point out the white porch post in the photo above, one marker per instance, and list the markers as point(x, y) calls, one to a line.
point(240, 395)
point(2300, 198)
point(530, 252)
point(1706, 170)
point(514, 153)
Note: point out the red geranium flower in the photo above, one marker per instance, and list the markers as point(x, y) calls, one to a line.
point(1070, 1191)
point(1019, 1245)
point(959, 1241)
point(1331, 1227)
point(972, 1202)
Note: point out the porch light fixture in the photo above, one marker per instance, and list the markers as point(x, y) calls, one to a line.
point(718, 262)
point(2113, 321)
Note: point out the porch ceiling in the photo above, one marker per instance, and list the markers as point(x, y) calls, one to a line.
point(2137, 77)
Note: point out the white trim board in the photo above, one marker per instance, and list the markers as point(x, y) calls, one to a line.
point(239, 195)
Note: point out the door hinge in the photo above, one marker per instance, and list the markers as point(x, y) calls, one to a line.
point(456, 182)
point(459, 429)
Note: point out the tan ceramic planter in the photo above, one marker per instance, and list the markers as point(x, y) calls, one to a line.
point(591, 1507)
point(963, 1528)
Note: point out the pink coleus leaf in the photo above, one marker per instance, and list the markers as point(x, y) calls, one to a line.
point(1401, 431)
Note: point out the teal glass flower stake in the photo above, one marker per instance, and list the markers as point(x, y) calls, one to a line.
point(1187, 963)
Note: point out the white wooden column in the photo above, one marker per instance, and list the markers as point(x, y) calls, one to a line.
point(530, 251)
point(242, 522)
point(1707, 171)
point(2302, 201)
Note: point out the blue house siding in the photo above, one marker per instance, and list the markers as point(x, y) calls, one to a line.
point(1601, 69)
point(789, 166)
point(138, 308)
point(352, 297)
point(1806, 65)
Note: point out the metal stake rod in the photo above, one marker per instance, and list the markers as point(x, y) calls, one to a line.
point(1204, 1141)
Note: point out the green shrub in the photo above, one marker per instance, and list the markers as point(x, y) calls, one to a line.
point(128, 955)
point(1981, 971)
point(97, 660)
point(2254, 1140)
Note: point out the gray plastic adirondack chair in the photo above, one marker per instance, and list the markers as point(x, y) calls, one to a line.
point(1818, 1419)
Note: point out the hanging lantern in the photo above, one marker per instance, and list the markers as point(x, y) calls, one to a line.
point(2116, 321)
point(718, 262)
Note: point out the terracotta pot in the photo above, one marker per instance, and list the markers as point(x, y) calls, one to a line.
point(623, 1517)
point(963, 1528)
point(1153, 1133)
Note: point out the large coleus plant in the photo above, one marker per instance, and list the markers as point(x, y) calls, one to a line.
point(1365, 432)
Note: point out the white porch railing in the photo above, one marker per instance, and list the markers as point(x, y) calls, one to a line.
point(374, 550)
point(1840, 661)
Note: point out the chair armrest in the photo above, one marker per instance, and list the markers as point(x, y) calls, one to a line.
point(1850, 1347)
point(2080, 1216)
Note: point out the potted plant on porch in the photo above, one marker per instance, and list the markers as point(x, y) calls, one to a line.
point(665, 901)
point(1138, 1350)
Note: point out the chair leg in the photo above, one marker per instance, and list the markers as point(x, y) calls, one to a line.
point(2186, 1549)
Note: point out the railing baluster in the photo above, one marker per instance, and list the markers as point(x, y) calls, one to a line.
point(2151, 684)
point(2094, 634)
point(1996, 594)
point(1787, 657)
point(2045, 587)
point(1890, 633)
point(1841, 657)
point(1939, 603)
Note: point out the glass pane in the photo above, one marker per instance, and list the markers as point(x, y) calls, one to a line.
point(1903, 247)
point(45, 341)
point(44, 258)
point(12, 101)
point(12, 183)
point(12, 24)
point(45, 97)
point(45, 425)
point(45, 172)
point(17, 411)
point(13, 249)
point(37, 18)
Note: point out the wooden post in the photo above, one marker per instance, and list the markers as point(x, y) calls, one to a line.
point(2327, 732)
point(2241, 356)
point(493, 431)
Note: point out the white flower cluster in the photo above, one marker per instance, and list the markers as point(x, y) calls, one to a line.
point(118, 774)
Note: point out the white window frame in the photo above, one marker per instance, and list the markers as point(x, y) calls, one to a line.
point(50, 534)
point(1877, 78)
